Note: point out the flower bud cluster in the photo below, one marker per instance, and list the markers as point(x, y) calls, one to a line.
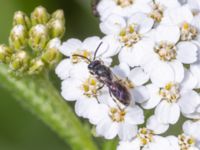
point(34, 41)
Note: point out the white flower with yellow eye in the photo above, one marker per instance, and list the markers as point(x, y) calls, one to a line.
point(189, 139)
point(111, 120)
point(165, 55)
point(129, 35)
point(172, 98)
point(159, 7)
point(148, 138)
point(87, 49)
point(187, 22)
point(124, 8)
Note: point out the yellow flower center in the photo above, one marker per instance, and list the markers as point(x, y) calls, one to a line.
point(90, 87)
point(157, 12)
point(170, 92)
point(117, 115)
point(145, 135)
point(77, 59)
point(124, 3)
point(166, 51)
point(129, 36)
point(188, 32)
point(185, 142)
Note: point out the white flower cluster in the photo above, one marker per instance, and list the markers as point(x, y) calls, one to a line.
point(157, 45)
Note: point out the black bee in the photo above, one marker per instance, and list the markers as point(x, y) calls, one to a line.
point(106, 77)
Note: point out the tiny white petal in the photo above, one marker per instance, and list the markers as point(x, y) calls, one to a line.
point(154, 97)
point(162, 74)
point(69, 46)
point(156, 126)
point(188, 101)
point(138, 76)
point(167, 34)
point(167, 112)
point(187, 52)
point(140, 94)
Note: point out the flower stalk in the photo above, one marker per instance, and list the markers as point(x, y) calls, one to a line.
point(38, 95)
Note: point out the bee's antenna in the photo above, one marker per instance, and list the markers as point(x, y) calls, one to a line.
point(95, 53)
point(82, 57)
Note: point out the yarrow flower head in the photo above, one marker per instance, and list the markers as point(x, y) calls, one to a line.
point(141, 78)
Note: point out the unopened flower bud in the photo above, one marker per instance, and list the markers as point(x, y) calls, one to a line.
point(20, 61)
point(57, 28)
point(38, 37)
point(21, 18)
point(36, 66)
point(52, 55)
point(18, 37)
point(59, 14)
point(39, 16)
point(5, 54)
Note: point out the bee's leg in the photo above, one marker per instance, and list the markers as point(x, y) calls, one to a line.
point(101, 87)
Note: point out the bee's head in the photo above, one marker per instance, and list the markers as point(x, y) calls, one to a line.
point(92, 66)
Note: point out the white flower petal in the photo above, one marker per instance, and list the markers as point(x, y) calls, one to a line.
point(178, 16)
point(140, 94)
point(112, 25)
point(178, 70)
point(84, 106)
point(167, 34)
point(133, 145)
point(187, 52)
point(107, 128)
point(161, 74)
point(154, 97)
point(111, 45)
point(63, 69)
point(127, 131)
point(138, 76)
point(167, 112)
point(192, 129)
point(154, 125)
point(189, 101)
point(91, 43)
point(134, 115)
point(168, 3)
point(195, 69)
point(70, 89)
point(69, 46)
point(189, 81)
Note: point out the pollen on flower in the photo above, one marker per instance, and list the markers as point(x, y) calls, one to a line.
point(145, 135)
point(170, 92)
point(117, 115)
point(124, 3)
point(166, 51)
point(77, 59)
point(129, 36)
point(90, 87)
point(157, 12)
point(188, 32)
point(185, 142)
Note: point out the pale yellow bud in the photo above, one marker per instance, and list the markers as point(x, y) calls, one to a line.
point(39, 16)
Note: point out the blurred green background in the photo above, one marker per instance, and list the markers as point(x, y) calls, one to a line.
point(19, 129)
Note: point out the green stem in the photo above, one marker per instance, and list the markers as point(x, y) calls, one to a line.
point(38, 95)
point(110, 145)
